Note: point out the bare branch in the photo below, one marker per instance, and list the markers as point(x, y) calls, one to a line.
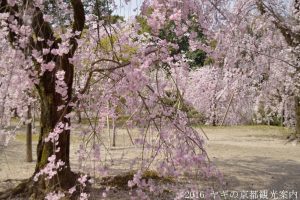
point(110, 69)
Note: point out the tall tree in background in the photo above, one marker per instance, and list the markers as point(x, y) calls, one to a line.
point(289, 26)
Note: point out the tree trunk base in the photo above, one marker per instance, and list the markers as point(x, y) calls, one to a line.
point(293, 138)
point(35, 190)
point(22, 188)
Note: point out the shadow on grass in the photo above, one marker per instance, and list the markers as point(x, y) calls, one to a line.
point(260, 173)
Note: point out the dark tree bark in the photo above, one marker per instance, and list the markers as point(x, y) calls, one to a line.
point(50, 117)
point(50, 101)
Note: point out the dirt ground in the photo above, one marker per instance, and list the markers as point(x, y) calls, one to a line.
point(250, 158)
point(256, 158)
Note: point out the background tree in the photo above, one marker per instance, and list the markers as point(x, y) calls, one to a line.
point(288, 25)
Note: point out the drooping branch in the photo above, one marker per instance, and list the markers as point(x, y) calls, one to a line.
point(12, 10)
point(92, 72)
point(109, 69)
point(292, 38)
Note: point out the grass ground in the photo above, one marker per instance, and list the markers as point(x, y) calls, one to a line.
point(250, 158)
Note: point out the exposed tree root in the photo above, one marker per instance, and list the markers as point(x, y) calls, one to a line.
point(37, 190)
point(18, 192)
point(295, 138)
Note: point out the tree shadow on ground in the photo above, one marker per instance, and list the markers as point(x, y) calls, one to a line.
point(260, 173)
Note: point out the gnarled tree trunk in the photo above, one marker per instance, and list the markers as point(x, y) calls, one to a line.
point(50, 116)
point(50, 100)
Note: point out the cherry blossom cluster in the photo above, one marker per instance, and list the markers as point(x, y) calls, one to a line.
point(50, 170)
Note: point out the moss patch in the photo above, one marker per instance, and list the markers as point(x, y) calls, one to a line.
point(121, 181)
